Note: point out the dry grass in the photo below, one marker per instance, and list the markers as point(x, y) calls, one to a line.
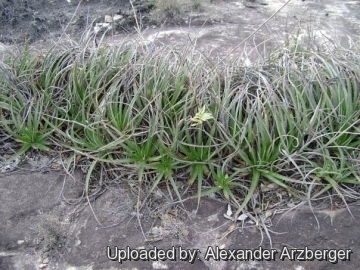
point(174, 11)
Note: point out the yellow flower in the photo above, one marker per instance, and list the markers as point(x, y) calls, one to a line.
point(200, 117)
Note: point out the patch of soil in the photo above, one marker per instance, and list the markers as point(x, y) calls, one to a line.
point(33, 20)
point(39, 230)
point(215, 28)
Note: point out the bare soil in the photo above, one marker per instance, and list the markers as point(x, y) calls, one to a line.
point(47, 223)
point(40, 229)
point(38, 20)
point(216, 28)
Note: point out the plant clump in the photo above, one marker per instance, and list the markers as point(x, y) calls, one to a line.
point(165, 116)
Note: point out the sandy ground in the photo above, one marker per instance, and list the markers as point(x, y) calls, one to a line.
point(40, 231)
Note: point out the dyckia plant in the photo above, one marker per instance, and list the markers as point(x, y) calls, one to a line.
point(198, 147)
point(224, 183)
point(23, 120)
point(292, 119)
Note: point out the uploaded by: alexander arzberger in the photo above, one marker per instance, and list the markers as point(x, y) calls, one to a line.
point(218, 254)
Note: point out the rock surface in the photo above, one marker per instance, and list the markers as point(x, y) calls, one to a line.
point(40, 231)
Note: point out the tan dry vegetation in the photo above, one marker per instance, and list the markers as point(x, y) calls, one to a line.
point(173, 11)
